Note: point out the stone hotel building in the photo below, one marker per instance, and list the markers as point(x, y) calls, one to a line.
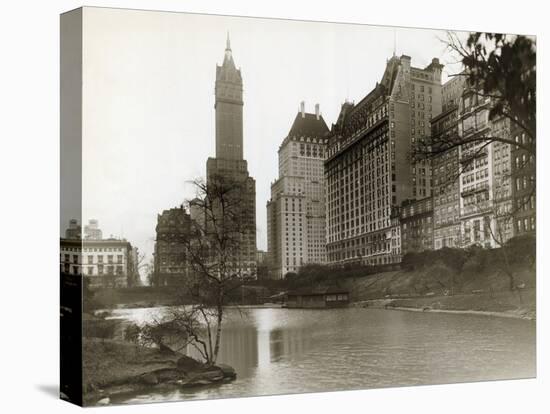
point(369, 168)
point(296, 211)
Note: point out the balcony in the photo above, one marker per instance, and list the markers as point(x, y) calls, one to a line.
point(476, 209)
point(469, 155)
point(479, 188)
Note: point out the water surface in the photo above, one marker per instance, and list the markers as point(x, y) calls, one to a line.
point(281, 351)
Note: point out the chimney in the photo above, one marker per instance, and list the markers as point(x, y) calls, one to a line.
point(303, 109)
point(317, 114)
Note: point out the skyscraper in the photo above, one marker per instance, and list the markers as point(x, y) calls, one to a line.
point(369, 169)
point(229, 164)
point(446, 168)
point(296, 211)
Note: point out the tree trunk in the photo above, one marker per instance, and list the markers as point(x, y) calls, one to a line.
point(218, 334)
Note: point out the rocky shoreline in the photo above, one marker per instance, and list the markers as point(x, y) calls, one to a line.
point(113, 368)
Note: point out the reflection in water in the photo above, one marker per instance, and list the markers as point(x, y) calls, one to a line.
point(278, 351)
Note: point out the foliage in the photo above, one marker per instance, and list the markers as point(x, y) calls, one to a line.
point(99, 328)
point(89, 303)
point(504, 68)
point(522, 249)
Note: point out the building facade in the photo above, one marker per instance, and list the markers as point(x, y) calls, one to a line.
point(296, 211)
point(417, 230)
point(370, 169)
point(74, 231)
point(523, 185)
point(229, 167)
point(92, 230)
point(446, 168)
point(171, 265)
point(105, 263)
point(485, 181)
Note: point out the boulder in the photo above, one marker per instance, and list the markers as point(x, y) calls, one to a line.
point(227, 371)
point(212, 374)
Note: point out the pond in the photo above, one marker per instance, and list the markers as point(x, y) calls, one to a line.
point(282, 351)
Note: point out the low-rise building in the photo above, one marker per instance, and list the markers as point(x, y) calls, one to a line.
point(319, 297)
point(105, 263)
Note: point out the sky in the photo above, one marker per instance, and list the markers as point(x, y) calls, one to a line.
point(148, 100)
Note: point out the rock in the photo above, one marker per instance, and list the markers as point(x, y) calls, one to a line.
point(149, 378)
point(168, 374)
point(104, 401)
point(227, 371)
point(213, 374)
point(187, 364)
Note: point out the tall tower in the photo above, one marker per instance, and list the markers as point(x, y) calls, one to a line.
point(229, 165)
point(229, 108)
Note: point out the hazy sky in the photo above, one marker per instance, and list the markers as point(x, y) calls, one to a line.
point(148, 100)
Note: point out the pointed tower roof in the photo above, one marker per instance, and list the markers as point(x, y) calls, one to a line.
point(228, 59)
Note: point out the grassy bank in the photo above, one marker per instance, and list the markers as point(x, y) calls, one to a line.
point(506, 304)
point(438, 287)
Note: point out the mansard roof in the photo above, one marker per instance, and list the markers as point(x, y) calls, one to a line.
point(307, 125)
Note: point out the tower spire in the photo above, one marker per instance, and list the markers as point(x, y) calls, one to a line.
point(228, 54)
point(228, 43)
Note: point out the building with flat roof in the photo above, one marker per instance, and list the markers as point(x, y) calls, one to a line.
point(106, 263)
point(171, 265)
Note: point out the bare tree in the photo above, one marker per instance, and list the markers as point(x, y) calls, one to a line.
point(216, 251)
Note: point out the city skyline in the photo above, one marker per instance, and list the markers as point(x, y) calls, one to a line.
point(174, 103)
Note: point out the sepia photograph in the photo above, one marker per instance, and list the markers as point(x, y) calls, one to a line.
point(259, 206)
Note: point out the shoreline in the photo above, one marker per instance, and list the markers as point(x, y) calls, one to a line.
point(389, 304)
